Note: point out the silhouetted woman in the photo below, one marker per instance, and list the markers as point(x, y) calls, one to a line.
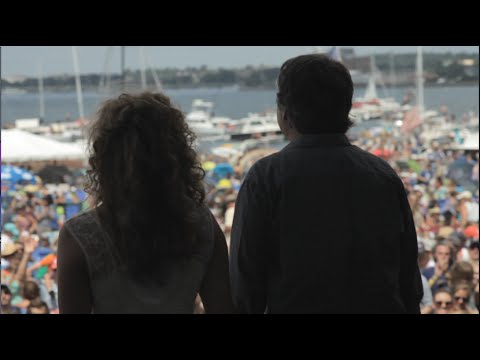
point(150, 244)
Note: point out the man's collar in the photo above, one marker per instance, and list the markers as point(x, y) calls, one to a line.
point(319, 140)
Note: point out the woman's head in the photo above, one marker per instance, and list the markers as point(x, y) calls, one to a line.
point(144, 174)
point(443, 301)
point(461, 271)
point(141, 140)
point(461, 295)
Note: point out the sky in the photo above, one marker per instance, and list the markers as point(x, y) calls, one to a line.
point(56, 60)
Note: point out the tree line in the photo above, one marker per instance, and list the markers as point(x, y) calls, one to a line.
point(453, 68)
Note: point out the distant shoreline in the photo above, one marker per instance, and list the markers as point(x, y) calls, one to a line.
point(20, 91)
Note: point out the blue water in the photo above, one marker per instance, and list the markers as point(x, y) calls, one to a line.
point(229, 102)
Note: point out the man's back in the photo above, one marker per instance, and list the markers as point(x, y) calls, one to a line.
point(327, 230)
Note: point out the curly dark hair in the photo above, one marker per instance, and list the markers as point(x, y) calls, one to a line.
point(145, 179)
point(316, 93)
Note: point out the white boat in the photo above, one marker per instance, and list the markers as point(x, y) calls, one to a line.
point(202, 121)
point(256, 125)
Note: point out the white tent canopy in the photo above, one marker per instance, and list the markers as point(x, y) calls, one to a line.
point(20, 146)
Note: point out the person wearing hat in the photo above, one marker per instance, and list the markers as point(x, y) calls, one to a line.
point(322, 226)
point(17, 258)
point(433, 219)
point(469, 210)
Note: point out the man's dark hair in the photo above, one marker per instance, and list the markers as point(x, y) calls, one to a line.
point(38, 304)
point(31, 290)
point(6, 289)
point(316, 93)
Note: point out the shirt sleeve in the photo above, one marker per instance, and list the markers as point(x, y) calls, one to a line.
point(248, 247)
point(47, 260)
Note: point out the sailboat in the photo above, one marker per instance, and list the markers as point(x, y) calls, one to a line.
point(371, 106)
point(435, 126)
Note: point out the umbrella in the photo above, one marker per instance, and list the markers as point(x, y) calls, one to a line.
point(377, 152)
point(223, 170)
point(383, 153)
point(54, 174)
point(13, 175)
point(208, 165)
point(224, 184)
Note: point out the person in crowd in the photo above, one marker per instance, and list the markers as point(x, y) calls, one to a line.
point(7, 307)
point(38, 307)
point(321, 204)
point(443, 302)
point(462, 292)
point(436, 275)
point(150, 244)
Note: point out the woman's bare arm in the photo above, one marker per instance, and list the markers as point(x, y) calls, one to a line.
point(74, 291)
point(215, 291)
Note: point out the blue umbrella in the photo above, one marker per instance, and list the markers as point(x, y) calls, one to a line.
point(13, 175)
point(222, 170)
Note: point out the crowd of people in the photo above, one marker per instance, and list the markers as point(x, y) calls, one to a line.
point(32, 216)
point(444, 205)
point(442, 188)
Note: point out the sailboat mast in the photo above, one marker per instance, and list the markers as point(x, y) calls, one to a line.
point(420, 100)
point(104, 86)
point(40, 92)
point(77, 81)
point(393, 79)
point(142, 69)
point(155, 75)
point(122, 66)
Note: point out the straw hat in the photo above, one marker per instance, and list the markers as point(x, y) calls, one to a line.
point(8, 246)
point(464, 195)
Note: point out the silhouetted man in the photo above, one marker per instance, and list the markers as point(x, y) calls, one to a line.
point(322, 226)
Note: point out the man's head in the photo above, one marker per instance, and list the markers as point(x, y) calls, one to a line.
point(6, 295)
point(314, 95)
point(442, 252)
point(31, 290)
point(474, 249)
point(38, 307)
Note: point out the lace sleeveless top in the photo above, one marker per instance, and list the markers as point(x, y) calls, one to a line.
point(113, 289)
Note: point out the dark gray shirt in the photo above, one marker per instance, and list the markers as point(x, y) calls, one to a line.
point(324, 227)
point(113, 290)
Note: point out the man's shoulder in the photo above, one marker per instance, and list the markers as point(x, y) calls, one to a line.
point(264, 165)
point(370, 161)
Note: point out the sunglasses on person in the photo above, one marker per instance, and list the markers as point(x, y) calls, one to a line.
point(446, 303)
point(458, 298)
